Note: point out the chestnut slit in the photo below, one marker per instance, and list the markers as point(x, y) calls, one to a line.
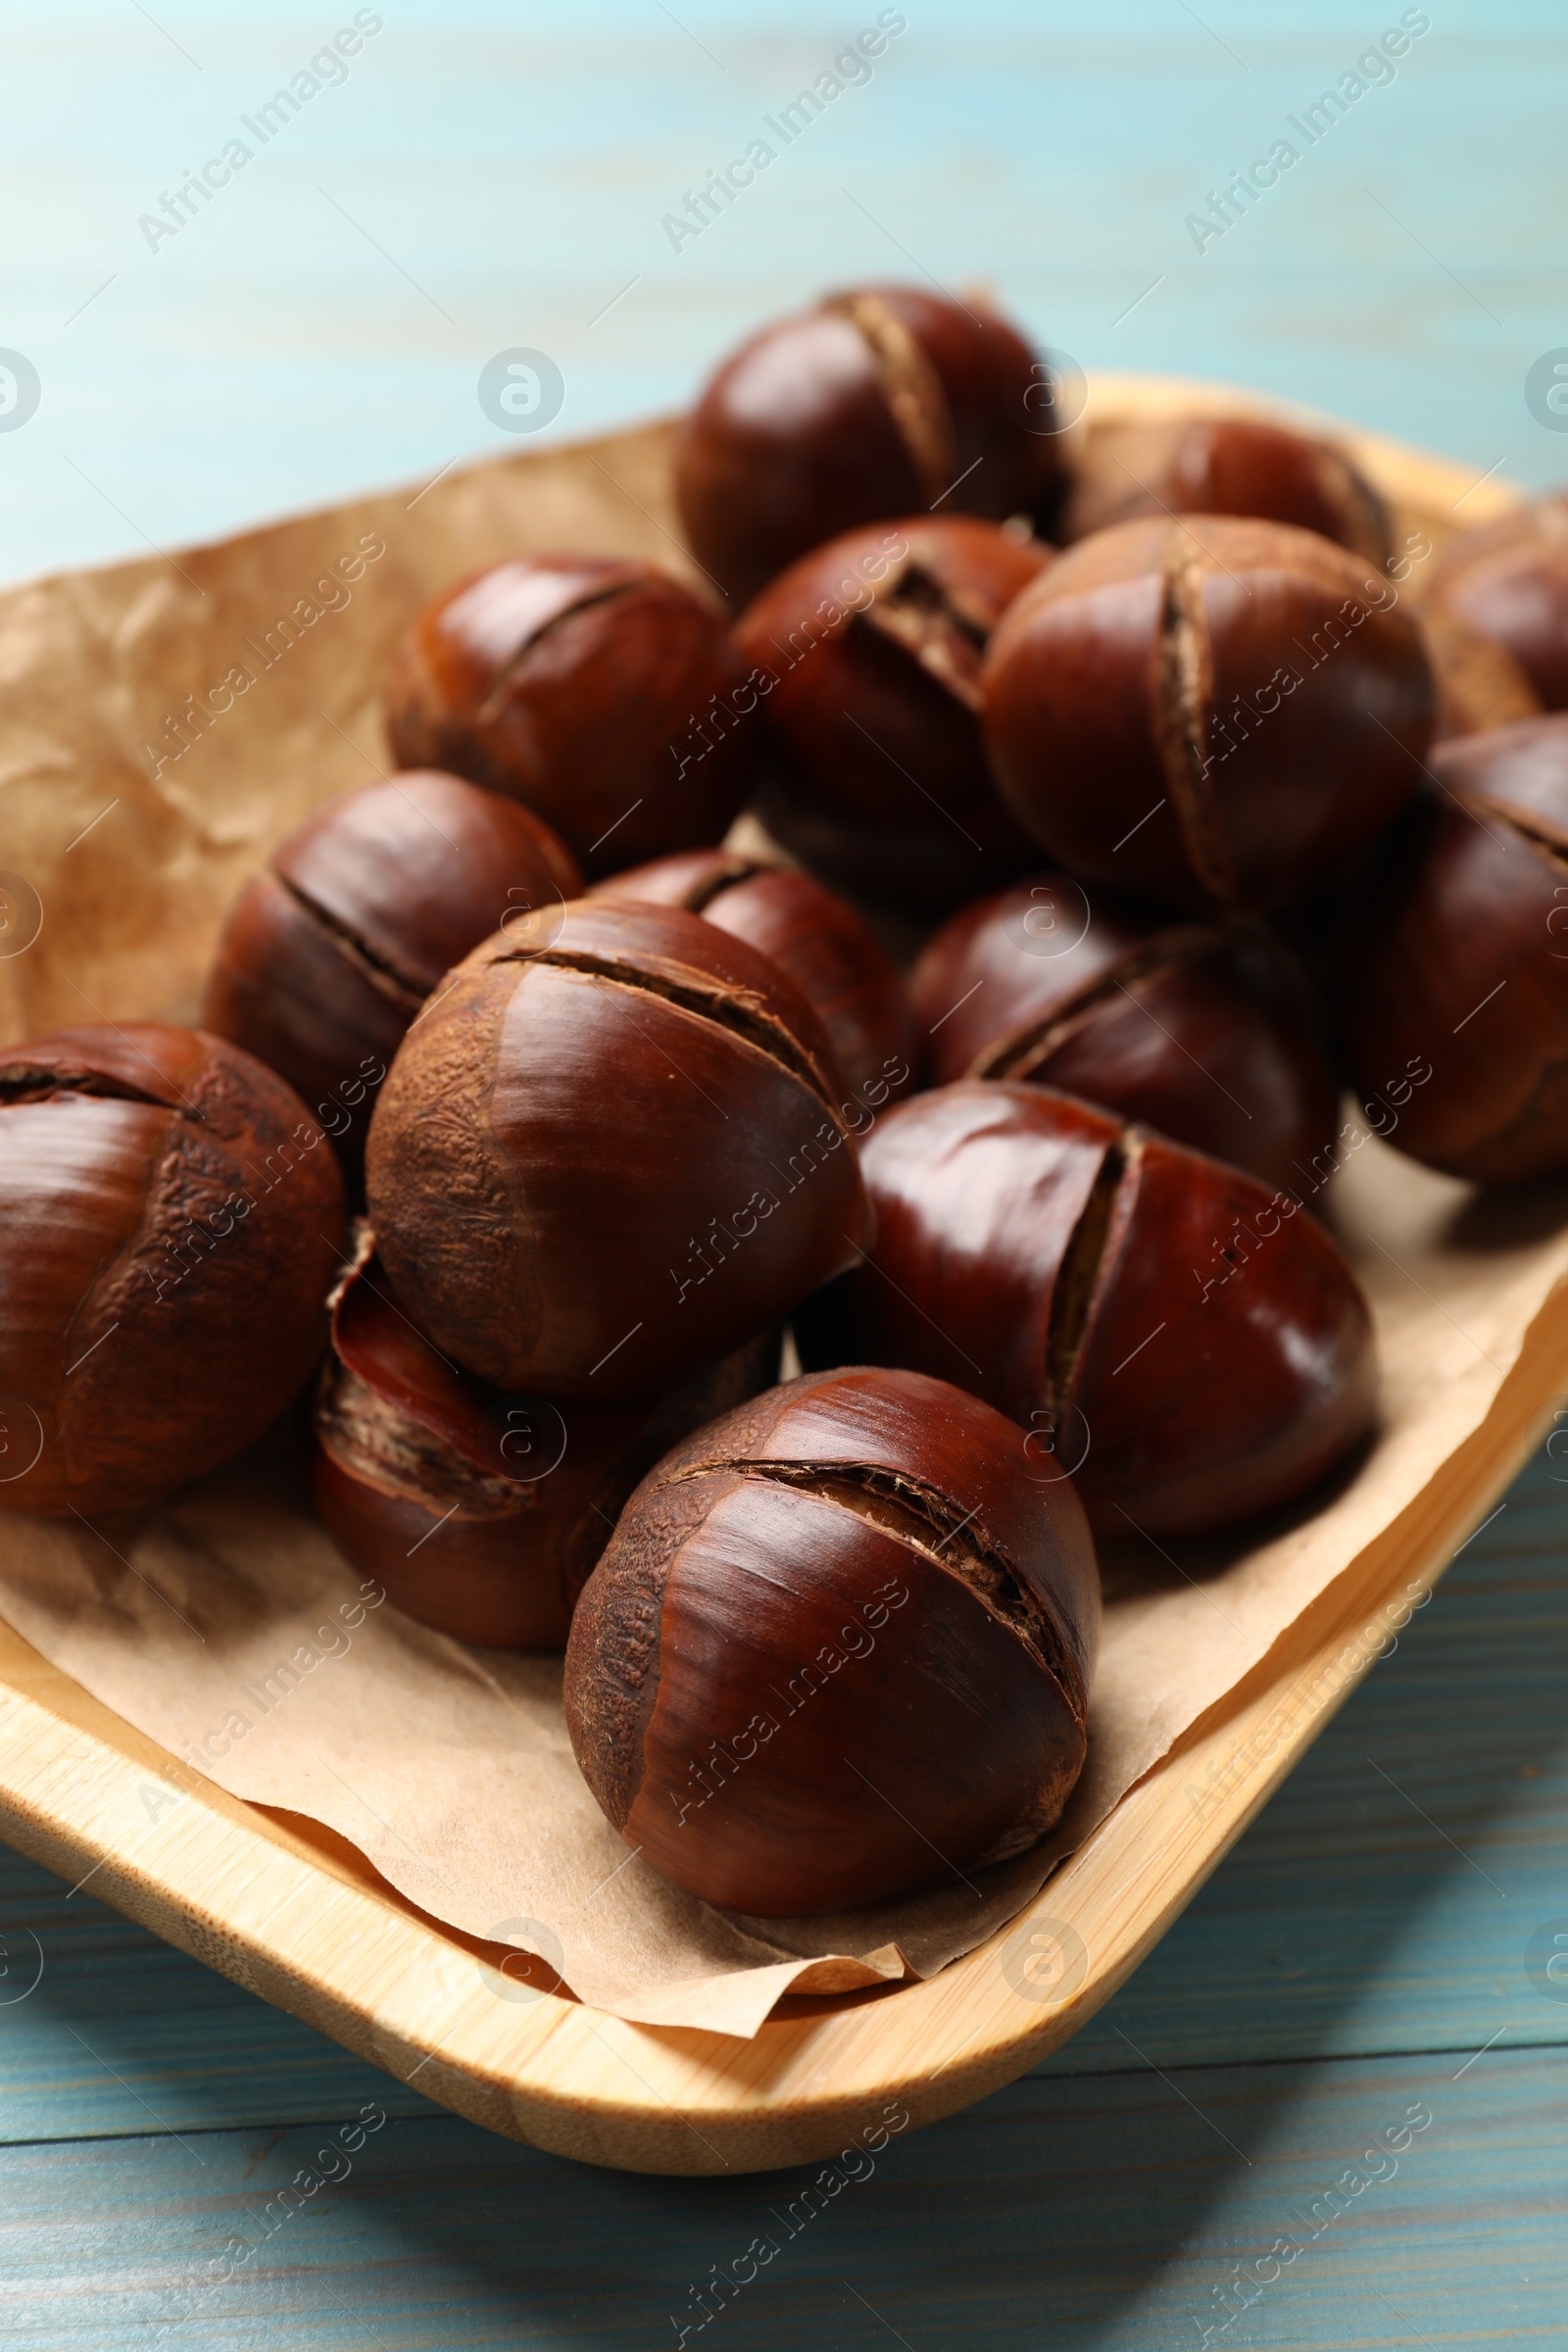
point(19, 1084)
point(911, 388)
point(924, 616)
point(1072, 1294)
point(1184, 663)
point(745, 870)
point(1020, 1052)
point(733, 1013)
point(506, 676)
point(922, 1519)
point(403, 990)
point(369, 1436)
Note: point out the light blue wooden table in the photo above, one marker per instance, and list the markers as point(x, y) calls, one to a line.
point(486, 176)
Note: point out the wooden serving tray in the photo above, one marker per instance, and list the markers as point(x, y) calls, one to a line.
point(293, 1913)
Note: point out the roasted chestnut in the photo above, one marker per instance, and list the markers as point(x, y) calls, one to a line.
point(605, 1159)
point(1480, 684)
point(871, 650)
point(835, 962)
point(838, 1650)
point(1187, 1345)
point(481, 1514)
point(1225, 465)
point(600, 692)
point(1508, 579)
point(1455, 961)
point(1209, 1032)
point(170, 1219)
point(881, 401)
point(1206, 712)
point(328, 954)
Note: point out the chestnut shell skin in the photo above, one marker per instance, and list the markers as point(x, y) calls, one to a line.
point(327, 956)
point(604, 1159)
point(1209, 1032)
point(575, 684)
point(878, 780)
point(820, 942)
point(1453, 974)
point(880, 400)
point(481, 1514)
point(1141, 713)
point(866, 1562)
point(1190, 1349)
point(1225, 465)
point(1509, 581)
point(170, 1222)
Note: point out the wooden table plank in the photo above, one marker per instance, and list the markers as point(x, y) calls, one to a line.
point(496, 176)
point(1117, 2206)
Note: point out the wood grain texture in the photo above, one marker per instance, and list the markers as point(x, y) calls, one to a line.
point(493, 175)
point(1113, 2209)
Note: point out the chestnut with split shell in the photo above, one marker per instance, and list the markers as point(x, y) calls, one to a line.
point(874, 644)
point(480, 1512)
point(1225, 465)
point(606, 1159)
point(1208, 711)
point(839, 1649)
point(818, 941)
point(885, 400)
point(328, 954)
point(1454, 967)
point(1208, 1031)
point(579, 685)
point(1190, 1348)
point(170, 1219)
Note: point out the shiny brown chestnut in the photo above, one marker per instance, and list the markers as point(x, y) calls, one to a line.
point(169, 1219)
point(1190, 1348)
point(1225, 465)
point(481, 1514)
point(869, 651)
point(1208, 711)
point(605, 1159)
point(1455, 961)
point(598, 690)
point(823, 946)
point(1209, 1032)
point(328, 954)
point(838, 1650)
point(1509, 581)
point(1480, 684)
point(882, 401)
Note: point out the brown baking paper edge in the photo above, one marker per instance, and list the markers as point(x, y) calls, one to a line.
point(161, 724)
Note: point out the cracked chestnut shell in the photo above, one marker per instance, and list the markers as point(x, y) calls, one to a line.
point(1509, 581)
point(881, 401)
point(1479, 683)
point(169, 1223)
point(1225, 465)
point(839, 1649)
point(605, 1159)
point(823, 946)
point(1190, 1348)
point(328, 954)
point(874, 645)
point(1453, 972)
point(480, 1512)
point(1208, 711)
point(579, 685)
point(1208, 1031)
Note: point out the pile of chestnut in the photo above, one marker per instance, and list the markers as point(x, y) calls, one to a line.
point(524, 1115)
